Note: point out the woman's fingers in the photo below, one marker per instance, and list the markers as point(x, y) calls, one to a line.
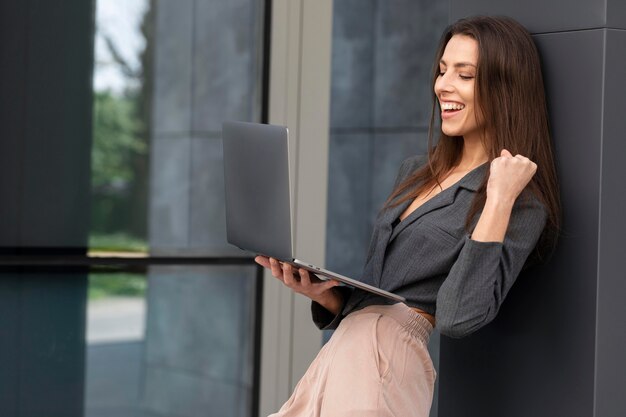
point(305, 283)
point(276, 269)
point(509, 175)
point(264, 261)
point(288, 277)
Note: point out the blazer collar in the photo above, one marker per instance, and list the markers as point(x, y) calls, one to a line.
point(471, 181)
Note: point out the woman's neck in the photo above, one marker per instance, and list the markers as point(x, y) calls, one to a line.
point(474, 154)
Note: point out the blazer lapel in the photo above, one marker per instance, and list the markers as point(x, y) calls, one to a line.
point(444, 198)
point(470, 181)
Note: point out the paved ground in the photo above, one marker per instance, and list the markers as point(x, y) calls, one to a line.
point(118, 319)
point(115, 333)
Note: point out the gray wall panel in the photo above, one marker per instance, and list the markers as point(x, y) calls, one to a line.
point(172, 66)
point(9, 349)
point(225, 63)
point(56, 134)
point(348, 196)
point(352, 64)
point(390, 149)
point(13, 15)
point(190, 370)
point(407, 34)
point(538, 15)
point(169, 194)
point(52, 344)
point(207, 223)
point(539, 352)
point(611, 331)
point(616, 14)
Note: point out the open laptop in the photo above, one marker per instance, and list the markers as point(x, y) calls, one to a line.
point(258, 202)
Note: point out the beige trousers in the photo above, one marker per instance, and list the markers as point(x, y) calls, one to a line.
point(376, 364)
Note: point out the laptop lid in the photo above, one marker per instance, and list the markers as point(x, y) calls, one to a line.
point(256, 178)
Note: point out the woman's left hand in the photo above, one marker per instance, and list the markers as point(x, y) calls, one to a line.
point(508, 176)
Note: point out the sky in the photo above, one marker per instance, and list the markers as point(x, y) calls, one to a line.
point(121, 20)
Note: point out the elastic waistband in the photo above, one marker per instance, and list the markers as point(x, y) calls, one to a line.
point(413, 322)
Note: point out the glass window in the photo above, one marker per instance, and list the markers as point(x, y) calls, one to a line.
point(174, 340)
point(178, 337)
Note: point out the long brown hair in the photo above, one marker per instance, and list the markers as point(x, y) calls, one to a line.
point(510, 96)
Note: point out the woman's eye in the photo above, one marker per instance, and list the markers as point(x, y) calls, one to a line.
point(465, 77)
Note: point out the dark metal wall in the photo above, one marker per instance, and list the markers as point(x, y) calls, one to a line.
point(45, 140)
point(557, 346)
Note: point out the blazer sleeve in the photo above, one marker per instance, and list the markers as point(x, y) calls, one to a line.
point(322, 318)
point(484, 272)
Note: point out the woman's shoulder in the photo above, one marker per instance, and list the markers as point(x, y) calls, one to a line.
point(409, 166)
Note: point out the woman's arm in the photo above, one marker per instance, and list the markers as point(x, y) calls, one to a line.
point(508, 176)
point(491, 259)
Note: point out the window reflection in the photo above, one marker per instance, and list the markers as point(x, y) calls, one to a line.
point(170, 340)
point(120, 125)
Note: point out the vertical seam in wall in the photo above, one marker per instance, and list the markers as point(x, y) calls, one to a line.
point(192, 85)
point(22, 140)
point(371, 137)
point(18, 339)
point(599, 253)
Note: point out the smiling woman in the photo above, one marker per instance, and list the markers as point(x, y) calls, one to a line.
point(453, 236)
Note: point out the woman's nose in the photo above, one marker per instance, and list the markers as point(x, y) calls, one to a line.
point(443, 84)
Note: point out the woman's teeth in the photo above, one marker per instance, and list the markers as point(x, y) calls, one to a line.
point(452, 106)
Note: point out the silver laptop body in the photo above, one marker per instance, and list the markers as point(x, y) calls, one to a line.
point(258, 202)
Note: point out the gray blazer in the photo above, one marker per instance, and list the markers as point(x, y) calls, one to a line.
point(430, 259)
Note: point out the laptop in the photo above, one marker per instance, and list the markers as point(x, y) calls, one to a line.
point(258, 202)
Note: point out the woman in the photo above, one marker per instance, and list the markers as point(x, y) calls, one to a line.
point(453, 236)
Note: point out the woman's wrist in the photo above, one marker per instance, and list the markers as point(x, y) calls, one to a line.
point(331, 300)
point(499, 203)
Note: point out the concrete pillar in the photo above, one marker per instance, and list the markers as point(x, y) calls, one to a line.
point(557, 346)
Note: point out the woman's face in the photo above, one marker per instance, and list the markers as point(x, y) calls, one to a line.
point(454, 88)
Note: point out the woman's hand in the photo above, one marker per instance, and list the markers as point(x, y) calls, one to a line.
point(306, 284)
point(508, 176)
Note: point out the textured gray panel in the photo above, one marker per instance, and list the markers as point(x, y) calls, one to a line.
point(407, 33)
point(172, 66)
point(349, 176)
point(539, 352)
point(170, 161)
point(616, 14)
point(12, 118)
point(10, 286)
point(227, 44)
point(114, 383)
point(352, 64)
point(199, 335)
point(208, 218)
point(537, 15)
point(56, 136)
point(390, 150)
point(611, 332)
point(174, 393)
point(52, 339)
